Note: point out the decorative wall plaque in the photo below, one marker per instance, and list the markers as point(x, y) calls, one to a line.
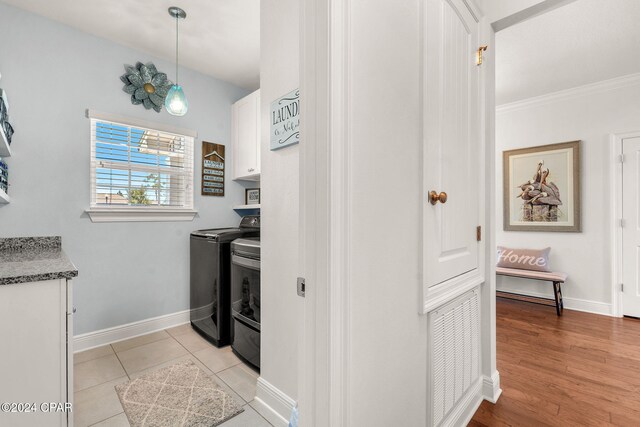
point(212, 169)
point(285, 120)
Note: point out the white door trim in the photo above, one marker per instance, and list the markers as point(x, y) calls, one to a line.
point(491, 382)
point(616, 227)
point(325, 212)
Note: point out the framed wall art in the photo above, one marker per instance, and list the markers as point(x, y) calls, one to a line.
point(252, 196)
point(542, 188)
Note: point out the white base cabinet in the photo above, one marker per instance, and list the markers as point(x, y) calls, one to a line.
point(36, 358)
point(245, 137)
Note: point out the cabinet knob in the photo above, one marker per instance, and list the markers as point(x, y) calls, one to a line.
point(250, 170)
point(434, 197)
point(74, 309)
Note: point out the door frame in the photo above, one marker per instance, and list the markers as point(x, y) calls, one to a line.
point(616, 140)
point(324, 212)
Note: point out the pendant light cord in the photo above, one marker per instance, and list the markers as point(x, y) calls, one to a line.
point(177, 19)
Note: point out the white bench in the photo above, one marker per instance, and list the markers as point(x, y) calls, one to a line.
point(556, 278)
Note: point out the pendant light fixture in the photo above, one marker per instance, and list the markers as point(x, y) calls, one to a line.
point(176, 103)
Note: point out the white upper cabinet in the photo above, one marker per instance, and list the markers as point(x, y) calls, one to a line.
point(245, 136)
point(452, 147)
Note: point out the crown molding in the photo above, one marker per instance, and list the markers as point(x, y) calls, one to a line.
point(575, 92)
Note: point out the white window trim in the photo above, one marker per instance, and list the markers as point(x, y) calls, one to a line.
point(138, 214)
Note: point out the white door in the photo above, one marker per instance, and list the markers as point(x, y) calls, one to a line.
point(452, 142)
point(631, 231)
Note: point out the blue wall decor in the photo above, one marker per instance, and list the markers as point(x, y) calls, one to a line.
point(146, 85)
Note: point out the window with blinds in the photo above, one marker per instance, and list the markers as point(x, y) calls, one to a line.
point(139, 168)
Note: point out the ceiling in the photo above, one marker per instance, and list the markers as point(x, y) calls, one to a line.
point(583, 42)
point(220, 38)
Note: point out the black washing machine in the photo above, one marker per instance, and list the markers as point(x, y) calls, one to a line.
point(210, 278)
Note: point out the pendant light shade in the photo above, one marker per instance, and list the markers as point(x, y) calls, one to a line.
point(176, 102)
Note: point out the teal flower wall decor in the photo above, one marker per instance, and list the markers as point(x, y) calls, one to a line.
point(146, 85)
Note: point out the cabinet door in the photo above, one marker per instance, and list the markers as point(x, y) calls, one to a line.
point(452, 142)
point(246, 135)
point(33, 322)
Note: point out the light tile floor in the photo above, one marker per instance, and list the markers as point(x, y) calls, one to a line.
point(98, 371)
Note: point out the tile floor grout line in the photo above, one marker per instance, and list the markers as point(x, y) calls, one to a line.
point(231, 387)
point(216, 374)
point(181, 345)
point(139, 336)
point(257, 412)
point(103, 382)
point(175, 359)
point(108, 418)
point(245, 368)
point(122, 365)
point(161, 363)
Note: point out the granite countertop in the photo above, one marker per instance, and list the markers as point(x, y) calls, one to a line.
point(33, 259)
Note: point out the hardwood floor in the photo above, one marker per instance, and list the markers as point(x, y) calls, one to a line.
point(580, 369)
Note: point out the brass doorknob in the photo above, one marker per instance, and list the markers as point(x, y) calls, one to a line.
point(434, 197)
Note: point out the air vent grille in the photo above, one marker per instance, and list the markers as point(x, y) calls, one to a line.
point(455, 352)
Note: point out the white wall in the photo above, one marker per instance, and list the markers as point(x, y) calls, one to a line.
point(388, 372)
point(590, 116)
point(52, 74)
point(282, 308)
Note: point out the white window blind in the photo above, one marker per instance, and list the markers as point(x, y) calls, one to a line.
point(139, 168)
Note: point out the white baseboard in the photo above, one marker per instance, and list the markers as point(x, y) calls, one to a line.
point(273, 404)
point(463, 412)
point(577, 304)
point(491, 390)
point(130, 330)
point(595, 307)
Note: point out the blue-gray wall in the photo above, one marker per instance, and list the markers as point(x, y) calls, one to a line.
point(52, 74)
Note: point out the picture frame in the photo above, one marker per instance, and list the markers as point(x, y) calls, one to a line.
point(252, 196)
point(541, 188)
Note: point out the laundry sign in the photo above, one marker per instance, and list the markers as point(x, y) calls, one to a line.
point(285, 120)
point(212, 169)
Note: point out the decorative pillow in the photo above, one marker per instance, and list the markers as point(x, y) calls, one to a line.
point(524, 259)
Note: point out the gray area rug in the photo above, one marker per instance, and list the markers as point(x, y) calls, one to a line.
point(178, 395)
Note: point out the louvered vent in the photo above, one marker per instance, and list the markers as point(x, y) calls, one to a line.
point(455, 352)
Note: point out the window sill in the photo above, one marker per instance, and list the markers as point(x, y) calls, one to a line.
point(140, 215)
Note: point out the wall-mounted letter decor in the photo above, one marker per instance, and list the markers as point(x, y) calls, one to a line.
point(212, 169)
point(285, 120)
